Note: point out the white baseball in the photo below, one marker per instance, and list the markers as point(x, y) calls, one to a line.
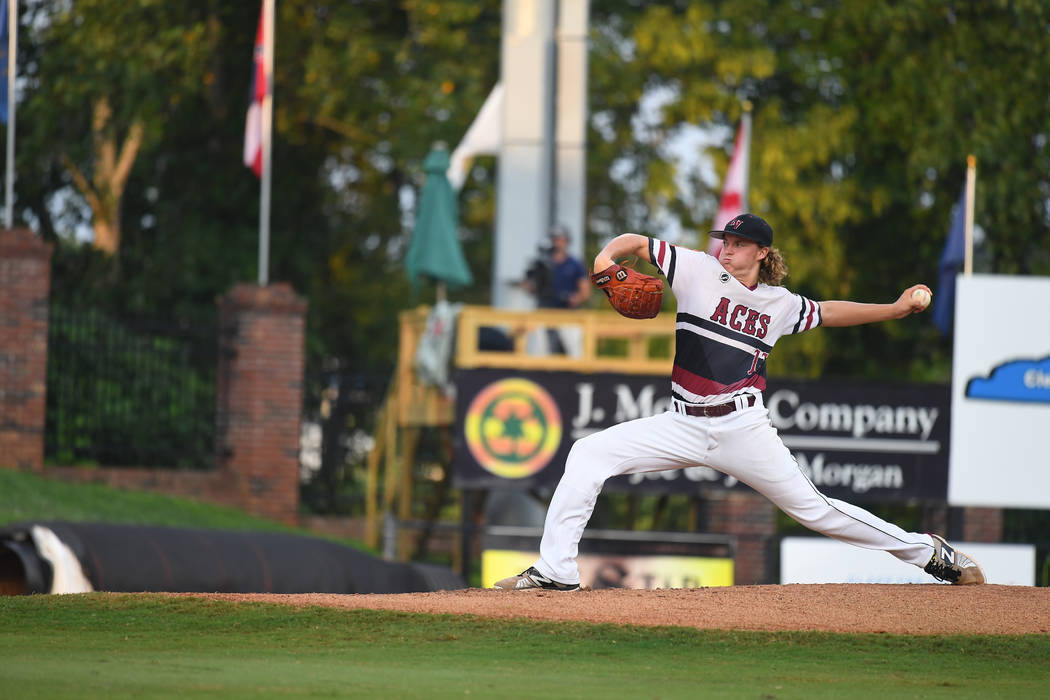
point(921, 296)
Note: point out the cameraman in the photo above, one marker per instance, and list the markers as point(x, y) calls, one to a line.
point(558, 281)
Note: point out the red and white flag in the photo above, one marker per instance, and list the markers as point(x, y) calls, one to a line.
point(253, 123)
point(734, 193)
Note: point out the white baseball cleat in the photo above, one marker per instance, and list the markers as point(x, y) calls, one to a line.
point(531, 578)
point(949, 564)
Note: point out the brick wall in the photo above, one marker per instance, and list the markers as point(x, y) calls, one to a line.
point(964, 524)
point(752, 519)
point(259, 397)
point(259, 394)
point(982, 524)
point(935, 519)
point(210, 486)
point(25, 282)
point(336, 525)
point(259, 391)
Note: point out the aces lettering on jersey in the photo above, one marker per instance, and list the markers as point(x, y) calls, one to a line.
point(741, 318)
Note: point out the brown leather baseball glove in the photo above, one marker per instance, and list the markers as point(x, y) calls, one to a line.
point(631, 293)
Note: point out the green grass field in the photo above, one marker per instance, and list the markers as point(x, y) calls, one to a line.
point(108, 645)
point(25, 496)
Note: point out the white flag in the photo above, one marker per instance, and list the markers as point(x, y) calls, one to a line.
point(734, 193)
point(484, 137)
point(253, 121)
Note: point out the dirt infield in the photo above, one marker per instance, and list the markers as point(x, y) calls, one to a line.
point(850, 608)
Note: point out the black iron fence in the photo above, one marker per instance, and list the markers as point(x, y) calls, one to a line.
point(130, 391)
point(340, 409)
point(1031, 527)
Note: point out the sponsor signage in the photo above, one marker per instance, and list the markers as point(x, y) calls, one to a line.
point(618, 559)
point(860, 441)
point(598, 571)
point(855, 441)
point(1001, 393)
point(821, 560)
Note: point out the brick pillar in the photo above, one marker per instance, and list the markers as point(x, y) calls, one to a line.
point(983, 524)
point(259, 396)
point(25, 287)
point(752, 519)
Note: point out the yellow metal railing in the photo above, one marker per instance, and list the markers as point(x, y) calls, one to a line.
point(593, 326)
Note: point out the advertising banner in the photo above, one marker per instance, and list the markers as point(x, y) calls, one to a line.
point(857, 442)
point(598, 571)
point(822, 560)
point(619, 559)
point(866, 442)
point(1001, 393)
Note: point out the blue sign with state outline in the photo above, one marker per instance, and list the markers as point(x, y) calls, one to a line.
point(1015, 380)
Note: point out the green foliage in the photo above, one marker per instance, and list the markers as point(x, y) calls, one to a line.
point(100, 645)
point(863, 118)
point(123, 393)
point(97, 48)
point(361, 92)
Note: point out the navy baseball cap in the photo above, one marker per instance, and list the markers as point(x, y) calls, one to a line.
point(747, 226)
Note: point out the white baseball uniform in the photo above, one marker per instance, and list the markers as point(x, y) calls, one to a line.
point(724, 333)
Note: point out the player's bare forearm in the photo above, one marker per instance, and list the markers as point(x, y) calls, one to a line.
point(623, 245)
point(850, 313)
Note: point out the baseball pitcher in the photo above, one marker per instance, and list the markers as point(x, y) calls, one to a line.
point(731, 311)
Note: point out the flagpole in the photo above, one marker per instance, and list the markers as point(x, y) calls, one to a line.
point(744, 191)
point(971, 186)
point(12, 55)
point(267, 131)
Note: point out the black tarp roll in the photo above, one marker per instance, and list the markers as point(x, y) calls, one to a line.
point(134, 558)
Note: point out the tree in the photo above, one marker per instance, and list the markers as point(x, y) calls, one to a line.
point(863, 119)
point(106, 187)
point(110, 72)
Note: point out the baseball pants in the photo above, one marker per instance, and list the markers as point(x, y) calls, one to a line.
point(742, 444)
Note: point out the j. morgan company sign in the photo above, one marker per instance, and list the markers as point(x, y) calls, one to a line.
point(856, 441)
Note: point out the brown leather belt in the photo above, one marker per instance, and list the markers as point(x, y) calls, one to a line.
point(722, 409)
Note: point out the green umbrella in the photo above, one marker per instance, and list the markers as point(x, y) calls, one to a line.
point(435, 250)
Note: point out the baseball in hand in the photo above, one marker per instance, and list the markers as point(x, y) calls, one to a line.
point(922, 297)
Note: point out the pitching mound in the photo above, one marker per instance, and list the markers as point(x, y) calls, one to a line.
point(848, 608)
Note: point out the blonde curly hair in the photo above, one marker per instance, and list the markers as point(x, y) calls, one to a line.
point(773, 268)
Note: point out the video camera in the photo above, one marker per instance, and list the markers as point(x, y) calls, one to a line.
point(540, 274)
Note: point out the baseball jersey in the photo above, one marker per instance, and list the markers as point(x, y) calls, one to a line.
point(724, 330)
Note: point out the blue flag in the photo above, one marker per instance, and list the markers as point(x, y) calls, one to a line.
point(952, 258)
point(3, 60)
